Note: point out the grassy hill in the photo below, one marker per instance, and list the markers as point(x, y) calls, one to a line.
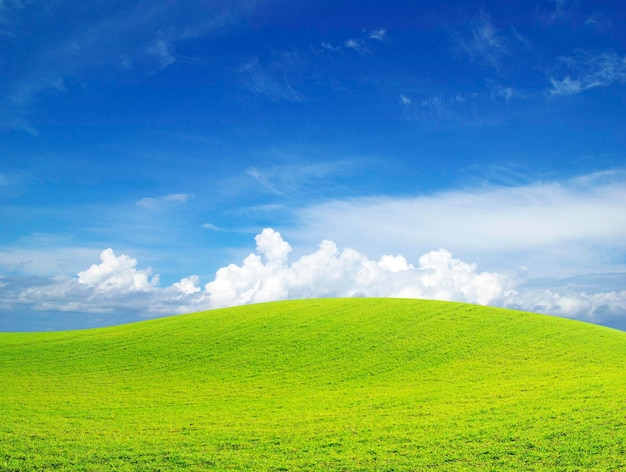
point(343, 385)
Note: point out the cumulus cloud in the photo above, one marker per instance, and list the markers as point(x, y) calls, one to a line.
point(117, 273)
point(269, 273)
point(188, 285)
point(115, 285)
point(329, 272)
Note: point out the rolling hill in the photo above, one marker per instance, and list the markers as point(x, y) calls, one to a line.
point(328, 385)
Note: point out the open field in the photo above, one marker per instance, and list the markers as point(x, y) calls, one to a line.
point(328, 385)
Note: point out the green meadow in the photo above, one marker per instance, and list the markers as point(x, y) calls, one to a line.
point(318, 385)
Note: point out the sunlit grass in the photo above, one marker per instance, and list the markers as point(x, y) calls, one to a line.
point(344, 385)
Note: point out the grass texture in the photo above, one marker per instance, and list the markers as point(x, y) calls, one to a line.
point(318, 385)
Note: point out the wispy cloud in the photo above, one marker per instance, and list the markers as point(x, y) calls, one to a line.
point(212, 227)
point(481, 41)
point(379, 34)
point(289, 177)
point(359, 44)
point(554, 228)
point(492, 104)
point(585, 71)
point(356, 44)
point(258, 209)
point(48, 259)
point(434, 107)
point(163, 51)
point(158, 202)
point(405, 100)
point(329, 47)
point(8, 181)
point(273, 85)
point(562, 10)
point(139, 36)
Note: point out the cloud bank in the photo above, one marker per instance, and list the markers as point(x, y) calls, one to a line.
point(556, 229)
point(328, 272)
point(116, 283)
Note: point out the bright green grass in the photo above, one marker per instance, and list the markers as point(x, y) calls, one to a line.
point(328, 385)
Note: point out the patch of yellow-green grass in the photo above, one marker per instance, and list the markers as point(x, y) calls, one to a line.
point(327, 385)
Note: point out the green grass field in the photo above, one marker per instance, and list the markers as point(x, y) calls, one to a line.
point(326, 385)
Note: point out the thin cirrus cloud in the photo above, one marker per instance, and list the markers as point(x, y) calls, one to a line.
point(163, 51)
point(288, 177)
point(358, 44)
point(554, 228)
point(479, 40)
point(159, 202)
point(562, 10)
point(141, 36)
point(273, 85)
point(586, 71)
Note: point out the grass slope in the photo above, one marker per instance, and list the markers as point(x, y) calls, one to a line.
point(345, 385)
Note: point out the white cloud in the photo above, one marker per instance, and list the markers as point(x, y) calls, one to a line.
point(289, 176)
point(555, 228)
point(490, 105)
point(117, 273)
point(272, 246)
point(116, 284)
point(328, 272)
point(434, 107)
point(356, 44)
point(566, 86)
point(150, 202)
point(479, 40)
point(378, 34)
point(105, 38)
point(162, 49)
point(212, 227)
point(188, 285)
point(563, 11)
point(360, 44)
point(329, 47)
point(271, 84)
point(43, 256)
point(586, 71)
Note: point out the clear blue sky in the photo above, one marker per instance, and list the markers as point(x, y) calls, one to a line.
point(461, 150)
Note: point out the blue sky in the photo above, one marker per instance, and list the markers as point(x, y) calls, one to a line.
point(157, 158)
